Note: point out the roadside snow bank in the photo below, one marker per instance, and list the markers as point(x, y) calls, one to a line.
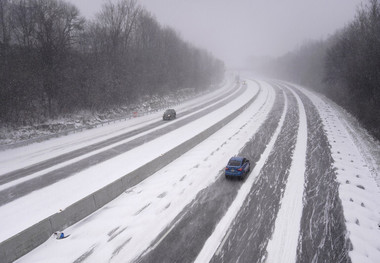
point(88, 119)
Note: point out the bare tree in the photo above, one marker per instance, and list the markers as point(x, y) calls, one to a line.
point(352, 67)
point(56, 26)
point(116, 23)
point(58, 63)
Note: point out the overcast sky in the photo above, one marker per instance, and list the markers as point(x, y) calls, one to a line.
point(233, 30)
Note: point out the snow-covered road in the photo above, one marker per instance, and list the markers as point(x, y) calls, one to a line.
point(23, 181)
point(311, 197)
point(34, 207)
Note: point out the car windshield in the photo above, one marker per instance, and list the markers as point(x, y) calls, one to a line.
point(234, 163)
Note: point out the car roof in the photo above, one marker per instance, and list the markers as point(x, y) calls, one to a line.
point(237, 158)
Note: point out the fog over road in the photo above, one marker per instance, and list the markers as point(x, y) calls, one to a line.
point(294, 204)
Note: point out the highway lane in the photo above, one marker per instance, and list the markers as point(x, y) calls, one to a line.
point(253, 226)
point(323, 231)
point(185, 237)
point(25, 171)
point(12, 193)
point(322, 236)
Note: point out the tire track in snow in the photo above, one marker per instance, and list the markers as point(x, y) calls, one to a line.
point(251, 228)
point(183, 242)
point(323, 232)
point(282, 246)
point(358, 191)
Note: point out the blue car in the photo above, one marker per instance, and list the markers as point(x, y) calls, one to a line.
point(237, 167)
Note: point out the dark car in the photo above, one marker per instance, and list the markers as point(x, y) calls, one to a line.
point(169, 114)
point(237, 167)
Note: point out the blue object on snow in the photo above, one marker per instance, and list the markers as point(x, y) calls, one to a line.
point(59, 235)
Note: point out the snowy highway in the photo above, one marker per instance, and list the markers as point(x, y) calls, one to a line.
point(313, 194)
point(148, 132)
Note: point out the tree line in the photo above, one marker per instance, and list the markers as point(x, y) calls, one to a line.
point(345, 67)
point(54, 62)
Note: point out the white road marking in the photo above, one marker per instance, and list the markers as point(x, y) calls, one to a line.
point(224, 241)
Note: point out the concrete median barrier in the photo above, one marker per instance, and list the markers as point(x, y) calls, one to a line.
point(25, 241)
